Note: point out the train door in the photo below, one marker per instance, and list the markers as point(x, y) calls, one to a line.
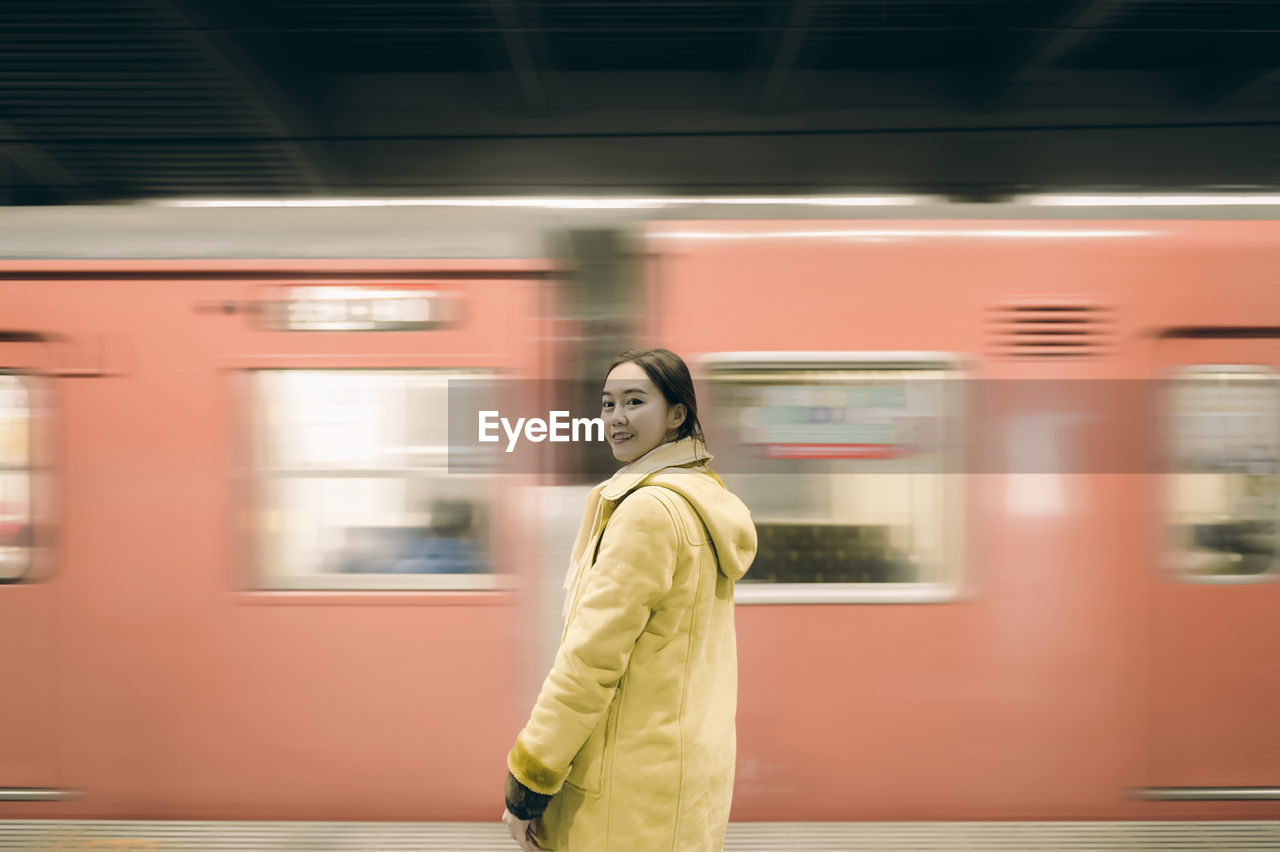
point(28, 595)
point(1216, 643)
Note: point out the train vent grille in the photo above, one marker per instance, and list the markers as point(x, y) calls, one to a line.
point(1057, 330)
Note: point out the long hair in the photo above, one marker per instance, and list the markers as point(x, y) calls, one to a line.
point(670, 374)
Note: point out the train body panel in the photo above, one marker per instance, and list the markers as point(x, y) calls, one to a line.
point(181, 688)
point(1026, 652)
point(1032, 694)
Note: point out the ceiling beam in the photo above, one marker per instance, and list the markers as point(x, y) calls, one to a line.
point(38, 163)
point(784, 58)
point(983, 88)
point(282, 106)
point(517, 39)
point(1074, 22)
point(1220, 91)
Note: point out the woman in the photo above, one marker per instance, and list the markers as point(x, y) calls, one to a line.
point(631, 743)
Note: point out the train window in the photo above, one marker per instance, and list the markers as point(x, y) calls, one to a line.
point(848, 462)
point(15, 477)
point(1224, 496)
point(354, 489)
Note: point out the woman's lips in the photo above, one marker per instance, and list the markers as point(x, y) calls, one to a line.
point(621, 437)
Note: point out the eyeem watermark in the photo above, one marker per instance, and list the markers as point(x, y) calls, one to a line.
point(560, 428)
point(884, 423)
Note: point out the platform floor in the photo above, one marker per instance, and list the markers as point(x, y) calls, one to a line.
point(191, 836)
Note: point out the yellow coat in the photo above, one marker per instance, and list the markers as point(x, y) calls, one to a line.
point(634, 728)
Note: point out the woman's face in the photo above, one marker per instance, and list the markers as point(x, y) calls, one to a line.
point(636, 415)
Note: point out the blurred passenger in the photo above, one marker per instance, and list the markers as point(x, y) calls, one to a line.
point(445, 547)
point(631, 744)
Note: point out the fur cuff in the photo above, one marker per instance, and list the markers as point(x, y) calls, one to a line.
point(523, 802)
point(533, 773)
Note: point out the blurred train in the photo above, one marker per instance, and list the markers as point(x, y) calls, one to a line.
point(1014, 470)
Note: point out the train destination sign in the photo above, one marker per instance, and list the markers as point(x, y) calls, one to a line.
point(361, 309)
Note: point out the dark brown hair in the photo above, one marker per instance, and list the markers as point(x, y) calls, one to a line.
point(669, 372)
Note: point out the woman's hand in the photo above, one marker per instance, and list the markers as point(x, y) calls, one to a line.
point(521, 830)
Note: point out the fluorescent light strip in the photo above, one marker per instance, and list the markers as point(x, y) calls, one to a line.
point(551, 203)
point(650, 203)
point(818, 200)
point(1151, 200)
point(894, 233)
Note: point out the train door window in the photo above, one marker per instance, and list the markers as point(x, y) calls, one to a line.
point(15, 476)
point(354, 488)
point(1224, 496)
point(849, 463)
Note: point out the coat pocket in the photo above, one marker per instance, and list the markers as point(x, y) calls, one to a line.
point(590, 765)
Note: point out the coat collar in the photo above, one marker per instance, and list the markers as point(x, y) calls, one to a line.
point(682, 453)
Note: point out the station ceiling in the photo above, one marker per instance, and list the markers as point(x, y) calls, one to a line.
point(119, 100)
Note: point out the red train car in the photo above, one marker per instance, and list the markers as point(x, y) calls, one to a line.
point(1016, 482)
point(1081, 631)
point(212, 620)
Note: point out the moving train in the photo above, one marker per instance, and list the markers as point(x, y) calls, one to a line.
point(1015, 472)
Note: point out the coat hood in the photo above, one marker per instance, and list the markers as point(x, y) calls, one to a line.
point(681, 466)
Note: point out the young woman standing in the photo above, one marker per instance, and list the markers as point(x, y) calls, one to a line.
point(631, 744)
